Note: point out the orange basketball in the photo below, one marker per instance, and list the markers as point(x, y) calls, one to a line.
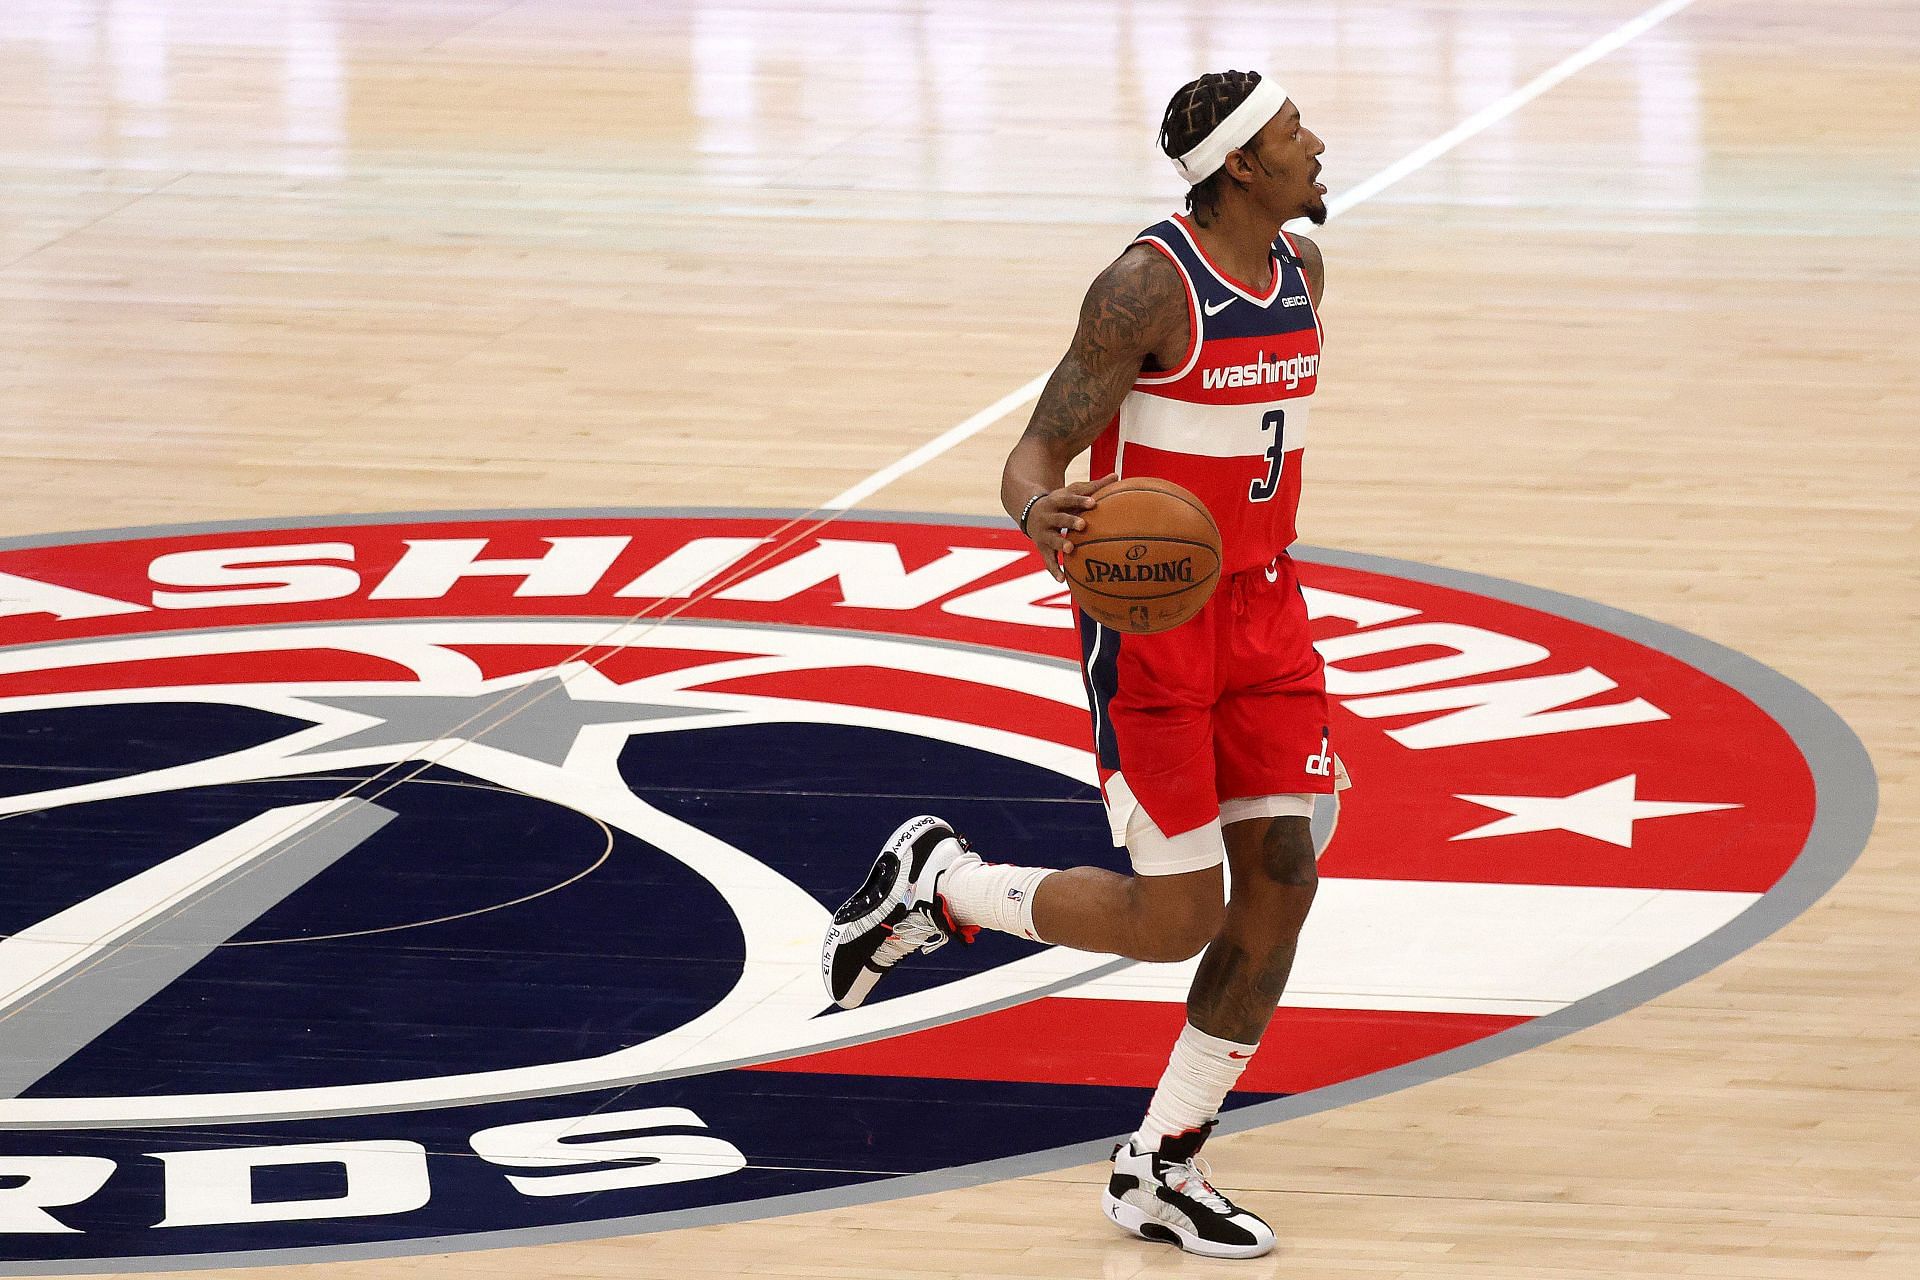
point(1148, 558)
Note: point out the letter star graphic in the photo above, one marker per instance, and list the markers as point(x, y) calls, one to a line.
point(1606, 812)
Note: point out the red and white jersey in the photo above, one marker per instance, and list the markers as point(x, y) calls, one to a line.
point(1230, 423)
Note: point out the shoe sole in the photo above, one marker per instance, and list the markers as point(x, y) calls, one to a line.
point(866, 976)
point(1138, 1222)
point(876, 903)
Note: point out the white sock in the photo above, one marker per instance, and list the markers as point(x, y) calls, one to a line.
point(1202, 1071)
point(991, 895)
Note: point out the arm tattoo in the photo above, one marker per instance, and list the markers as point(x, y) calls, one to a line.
point(1134, 306)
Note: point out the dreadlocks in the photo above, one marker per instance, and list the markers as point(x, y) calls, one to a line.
point(1193, 113)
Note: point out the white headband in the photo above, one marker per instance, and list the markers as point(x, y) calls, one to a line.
point(1245, 120)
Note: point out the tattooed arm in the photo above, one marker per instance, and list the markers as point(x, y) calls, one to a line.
point(1136, 311)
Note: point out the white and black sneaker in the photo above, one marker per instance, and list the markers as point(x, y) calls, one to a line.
point(1165, 1196)
point(895, 912)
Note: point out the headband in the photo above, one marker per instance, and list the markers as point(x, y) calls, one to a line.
point(1245, 120)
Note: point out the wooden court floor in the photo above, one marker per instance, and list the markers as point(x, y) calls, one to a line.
point(1648, 340)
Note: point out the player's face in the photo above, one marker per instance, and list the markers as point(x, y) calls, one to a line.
point(1289, 152)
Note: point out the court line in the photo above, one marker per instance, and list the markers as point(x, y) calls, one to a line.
point(1419, 158)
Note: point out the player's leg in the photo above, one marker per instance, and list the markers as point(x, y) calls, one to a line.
point(1151, 700)
point(1268, 761)
point(1244, 971)
point(1174, 902)
point(1156, 1191)
point(1156, 1187)
point(1270, 737)
point(1157, 918)
point(928, 885)
point(1273, 754)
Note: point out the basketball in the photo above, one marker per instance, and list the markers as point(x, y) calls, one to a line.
point(1148, 558)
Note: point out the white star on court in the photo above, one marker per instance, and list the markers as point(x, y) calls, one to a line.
point(1606, 812)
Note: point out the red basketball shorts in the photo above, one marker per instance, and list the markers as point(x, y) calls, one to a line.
point(1213, 718)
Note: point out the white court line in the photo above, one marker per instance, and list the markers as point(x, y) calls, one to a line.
point(42, 953)
point(933, 448)
point(1411, 163)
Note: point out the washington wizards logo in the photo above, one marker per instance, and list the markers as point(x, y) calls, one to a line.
point(395, 882)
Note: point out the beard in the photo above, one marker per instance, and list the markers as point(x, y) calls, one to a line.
point(1317, 212)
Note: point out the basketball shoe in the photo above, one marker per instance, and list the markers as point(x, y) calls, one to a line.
point(894, 914)
point(1164, 1196)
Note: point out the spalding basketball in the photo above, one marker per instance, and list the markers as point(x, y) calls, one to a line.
point(1148, 558)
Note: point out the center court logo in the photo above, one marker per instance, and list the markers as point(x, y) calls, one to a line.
point(372, 884)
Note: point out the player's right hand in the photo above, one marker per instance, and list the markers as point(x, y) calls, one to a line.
point(1057, 517)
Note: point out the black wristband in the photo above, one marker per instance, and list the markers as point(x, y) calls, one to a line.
point(1027, 511)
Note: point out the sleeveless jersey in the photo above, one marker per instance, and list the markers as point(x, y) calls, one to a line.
point(1230, 423)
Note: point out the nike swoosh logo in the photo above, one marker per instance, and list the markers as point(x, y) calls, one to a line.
point(1212, 310)
point(1232, 1054)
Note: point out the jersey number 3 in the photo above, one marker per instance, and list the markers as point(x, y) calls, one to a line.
point(1264, 488)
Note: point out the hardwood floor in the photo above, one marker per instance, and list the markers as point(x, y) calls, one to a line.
point(1647, 341)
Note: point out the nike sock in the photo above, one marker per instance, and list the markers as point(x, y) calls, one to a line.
point(1202, 1071)
point(991, 895)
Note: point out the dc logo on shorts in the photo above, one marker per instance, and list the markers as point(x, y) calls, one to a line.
point(374, 883)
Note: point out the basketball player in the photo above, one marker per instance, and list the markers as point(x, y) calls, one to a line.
point(1195, 360)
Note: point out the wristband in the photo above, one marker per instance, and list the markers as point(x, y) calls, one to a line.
point(1027, 511)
